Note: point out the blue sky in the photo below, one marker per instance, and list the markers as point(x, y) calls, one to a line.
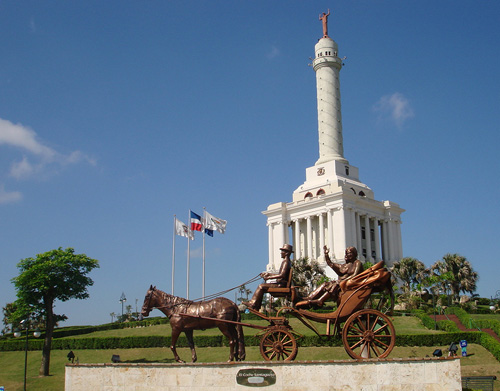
point(116, 115)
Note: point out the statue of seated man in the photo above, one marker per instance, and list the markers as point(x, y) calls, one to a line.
point(331, 289)
point(281, 278)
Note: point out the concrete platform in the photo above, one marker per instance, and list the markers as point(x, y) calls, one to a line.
point(427, 374)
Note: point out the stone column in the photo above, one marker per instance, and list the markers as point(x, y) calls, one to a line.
point(270, 235)
point(339, 233)
point(309, 238)
point(327, 66)
point(330, 228)
point(296, 246)
point(377, 239)
point(385, 241)
point(321, 232)
point(358, 232)
point(368, 240)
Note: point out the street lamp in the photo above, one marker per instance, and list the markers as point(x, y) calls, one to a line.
point(17, 334)
point(123, 299)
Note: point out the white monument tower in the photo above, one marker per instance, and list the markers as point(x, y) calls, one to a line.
point(333, 207)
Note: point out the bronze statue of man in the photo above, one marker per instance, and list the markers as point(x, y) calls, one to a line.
point(281, 278)
point(330, 289)
point(324, 19)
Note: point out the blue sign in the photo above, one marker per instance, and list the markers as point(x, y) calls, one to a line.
point(463, 345)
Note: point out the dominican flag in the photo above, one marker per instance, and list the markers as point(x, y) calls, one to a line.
point(196, 224)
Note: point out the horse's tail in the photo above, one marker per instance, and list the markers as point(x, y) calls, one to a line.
point(241, 337)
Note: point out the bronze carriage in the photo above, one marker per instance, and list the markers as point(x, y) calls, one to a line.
point(361, 319)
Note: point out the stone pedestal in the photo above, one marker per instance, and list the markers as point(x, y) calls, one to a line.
point(429, 374)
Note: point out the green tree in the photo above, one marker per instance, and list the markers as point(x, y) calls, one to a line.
point(410, 271)
point(244, 292)
point(54, 275)
point(307, 275)
point(464, 278)
point(9, 317)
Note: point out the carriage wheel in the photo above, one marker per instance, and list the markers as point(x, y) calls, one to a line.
point(278, 345)
point(368, 334)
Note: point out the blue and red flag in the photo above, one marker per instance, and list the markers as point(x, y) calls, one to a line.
point(196, 224)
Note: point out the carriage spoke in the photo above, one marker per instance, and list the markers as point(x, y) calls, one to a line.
point(381, 343)
point(375, 350)
point(368, 333)
point(381, 328)
point(362, 324)
point(357, 344)
point(367, 322)
point(375, 322)
point(278, 345)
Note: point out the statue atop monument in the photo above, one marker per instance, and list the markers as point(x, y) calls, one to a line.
point(324, 19)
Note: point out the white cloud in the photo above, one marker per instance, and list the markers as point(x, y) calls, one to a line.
point(37, 158)
point(22, 169)
point(9, 197)
point(20, 136)
point(395, 108)
point(273, 53)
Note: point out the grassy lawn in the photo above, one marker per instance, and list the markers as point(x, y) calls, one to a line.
point(479, 363)
point(403, 325)
point(486, 316)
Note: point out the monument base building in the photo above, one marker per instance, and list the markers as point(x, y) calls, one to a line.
point(333, 207)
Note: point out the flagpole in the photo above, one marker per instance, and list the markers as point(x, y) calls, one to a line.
point(173, 255)
point(203, 263)
point(189, 239)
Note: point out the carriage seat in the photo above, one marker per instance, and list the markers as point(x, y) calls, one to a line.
point(287, 291)
point(372, 277)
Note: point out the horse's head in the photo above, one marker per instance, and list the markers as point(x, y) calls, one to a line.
point(149, 301)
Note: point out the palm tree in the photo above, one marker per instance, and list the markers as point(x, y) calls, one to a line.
point(464, 278)
point(243, 290)
point(112, 314)
point(307, 275)
point(410, 271)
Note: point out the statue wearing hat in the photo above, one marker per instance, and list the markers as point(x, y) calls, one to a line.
point(281, 278)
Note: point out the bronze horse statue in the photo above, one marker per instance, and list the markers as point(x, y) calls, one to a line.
point(186, 315)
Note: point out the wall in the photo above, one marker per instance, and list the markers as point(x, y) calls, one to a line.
point(430, 374)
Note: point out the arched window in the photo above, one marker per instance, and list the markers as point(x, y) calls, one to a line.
point(308, 195)
point(320, 192)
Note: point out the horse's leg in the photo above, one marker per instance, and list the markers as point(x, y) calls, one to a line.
point(241, 343)
point(189, 336)
point(175, 335)
point(230, 332)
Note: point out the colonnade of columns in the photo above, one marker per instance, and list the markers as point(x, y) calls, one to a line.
point(375, 237)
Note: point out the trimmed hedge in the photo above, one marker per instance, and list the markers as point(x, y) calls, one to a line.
point(426, 320)
point(452, 334)
point(80, 330)
point(219, 340)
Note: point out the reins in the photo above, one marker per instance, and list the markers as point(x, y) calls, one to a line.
point(206, 298)
point(218, 294)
